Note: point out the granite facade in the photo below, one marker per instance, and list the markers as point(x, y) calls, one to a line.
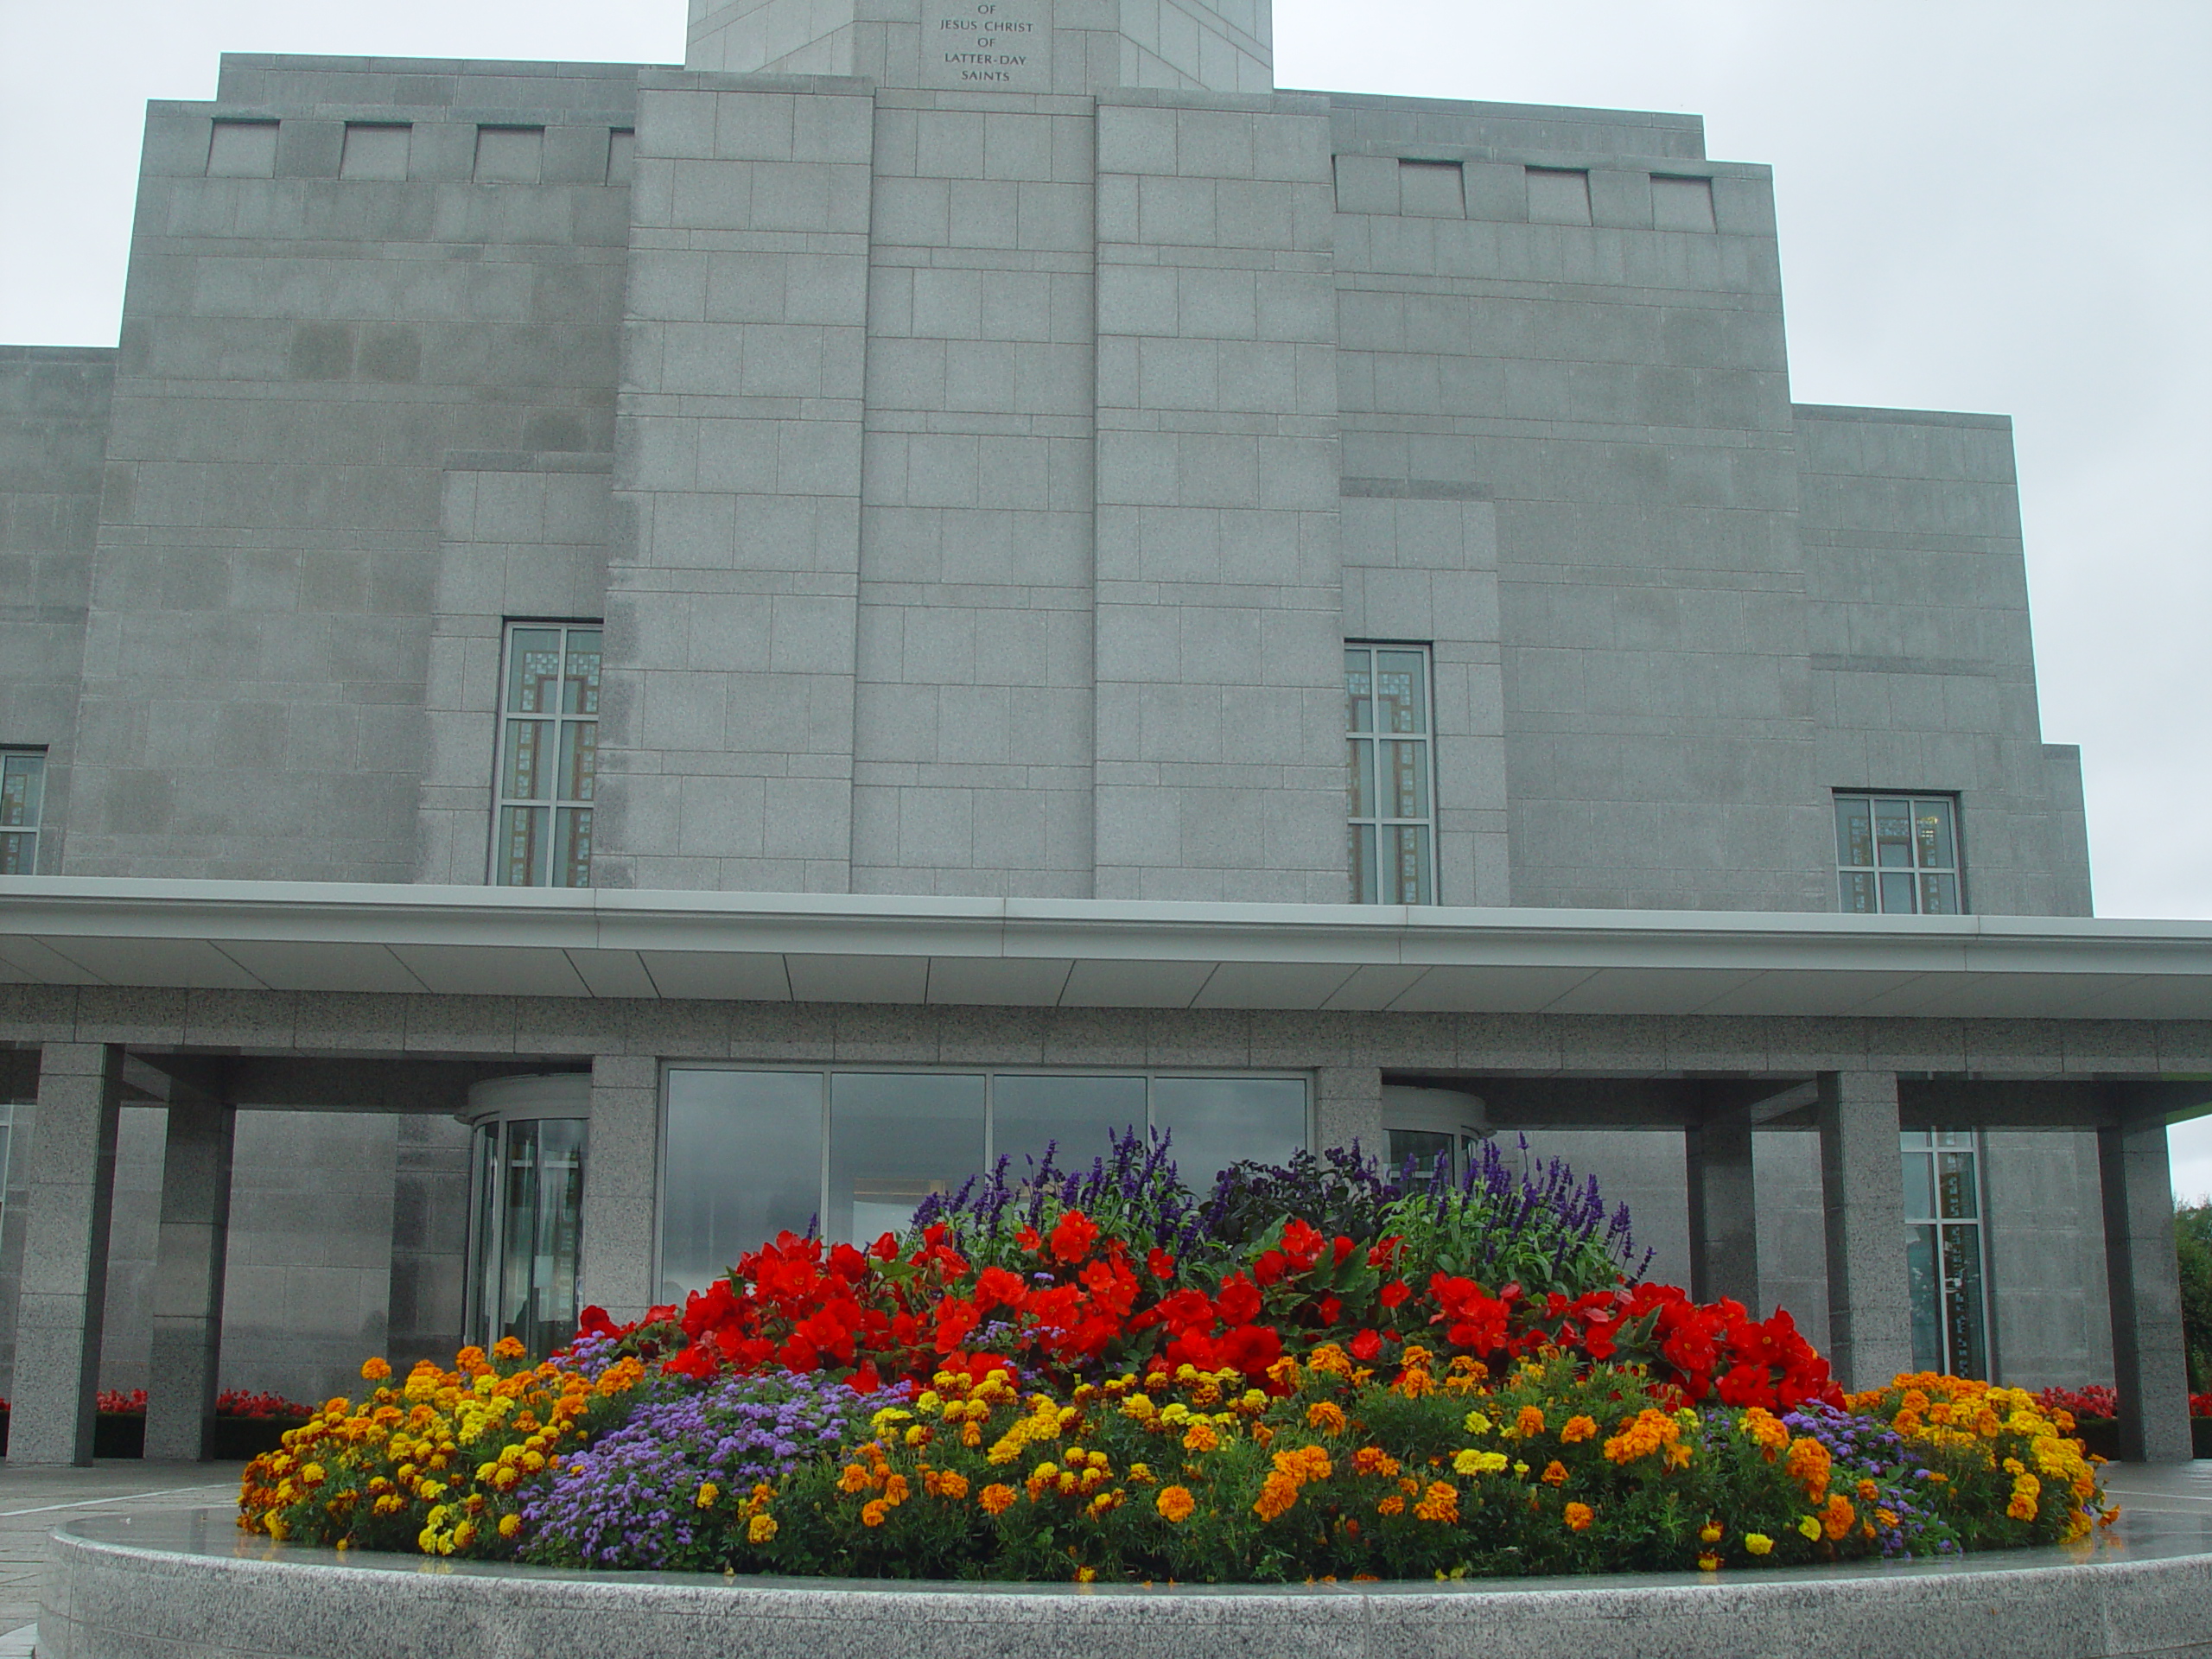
point(979, 451)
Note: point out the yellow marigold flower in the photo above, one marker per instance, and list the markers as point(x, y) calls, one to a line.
point(1708, 1561)
point(1528, 1420)
point(708, 1493)
point(464, 1535)
point(1138, 1407)
point(1086, 1575)
point(996, 1499)
point(1810, 1526)
point(1887, 1517)
point(509, 1525)
point(1578, 1518)
point(1175, 1503)
point(1578, 1429)
point(375, 1370)
point(760, 1529)
point(1709, 1533)
point(1476, 1423)
point(1201, 1437)
point(1758, 1543)
point(1471, 1462)
point(874, 1512)
point(311, 1474)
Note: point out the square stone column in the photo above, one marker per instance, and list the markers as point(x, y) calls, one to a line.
point(1724, 1211)
point(1348, 1107)
point(188, 1277)
point(1862, 1186)
point(2149, 1370)
point(621, 1176)
point(71, 1189)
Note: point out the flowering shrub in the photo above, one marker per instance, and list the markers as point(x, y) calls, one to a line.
point(2200, 1405)
point(2010, 1473)
point(2096, 1401)
point(1335, 1469)
point(116, 1403)
point(237, 1402)
point(1052, 1288)
point(437, 1465)
point(661, 1490)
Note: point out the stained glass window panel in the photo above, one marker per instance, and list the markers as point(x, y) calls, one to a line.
point(1897, 856)
point(1390, 785)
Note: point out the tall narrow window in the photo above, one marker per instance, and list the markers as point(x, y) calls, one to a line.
point(549, 736)
point(1942, 1236)
point(1897, 856)
point(23, 801)
point(1391, 800)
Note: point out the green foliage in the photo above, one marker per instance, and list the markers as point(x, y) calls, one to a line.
point(2193, 1245)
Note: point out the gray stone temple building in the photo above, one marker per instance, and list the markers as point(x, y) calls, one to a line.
point(621, 656)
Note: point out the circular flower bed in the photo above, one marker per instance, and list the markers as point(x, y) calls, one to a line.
point(1317, 1373)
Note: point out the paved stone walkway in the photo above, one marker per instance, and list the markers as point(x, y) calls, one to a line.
point(32, 1502)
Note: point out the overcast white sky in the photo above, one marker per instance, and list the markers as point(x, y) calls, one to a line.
point(1992, 205)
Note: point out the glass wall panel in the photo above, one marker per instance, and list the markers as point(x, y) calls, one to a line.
point(1216, 1122)
point(1927, 1303)
point(744, 1163)
point(1962, 1310)
point(1897, 856)
point(1424, 1147)
point(896, 1137)
point(1029, 1113)
point(540, 1224)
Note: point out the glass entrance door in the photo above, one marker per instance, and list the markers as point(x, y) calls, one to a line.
point(526, 1230)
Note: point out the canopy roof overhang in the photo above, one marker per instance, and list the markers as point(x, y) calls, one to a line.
point(282, 936)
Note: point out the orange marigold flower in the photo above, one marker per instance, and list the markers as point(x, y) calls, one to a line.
point(1840, 1517)
point(1330, 1360)
point(855, 1479)
point(1374, 1460)
point(1528, 1420)
point(1327, 1416)
point(1578, 1518)
point(1391, 1505)
point(1807, 1465)
point(1868, 1491)
point(874, 1512)
point(1578, 1429)
point(1642, 1435)
point(1554, 1474)
point(1175, 1502)
point(1277, 1493)
point(1440, 1503)
point(895, 1491)
point(1201, 1437)
point(996, 1499)
point(1305, 1463)
point(375, 1370)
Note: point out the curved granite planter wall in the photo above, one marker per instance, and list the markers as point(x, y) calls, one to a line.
point(188, 1585)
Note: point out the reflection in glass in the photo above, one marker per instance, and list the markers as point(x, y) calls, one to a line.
point(1919, 1187)
point(1425, 1148)
point(744, 1152)
point(1075, 1115)
point(527, 776)
point(1406, 866)
point(1962, 1318)
point(1365, 888)
point(1897, 856)
point(895, 1137)
point(1390, 790)
point(1854, 832)
point(1405, 779)
point(1927, 1318)
point(528, 1230)
point(1216, 1122)
point(572, 847)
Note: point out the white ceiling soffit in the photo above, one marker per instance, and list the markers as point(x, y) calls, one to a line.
point(1079, 953)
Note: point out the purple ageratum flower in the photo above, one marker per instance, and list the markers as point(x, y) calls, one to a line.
point(626, 1503)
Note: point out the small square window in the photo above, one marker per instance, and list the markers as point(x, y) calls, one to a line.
point(1431, 190)
point(622, 153)
point(23, 805)
point(1679, 204)
point(1898, 855)
point(242, 149)
point(1559, 196)
point(509, 155)
point(374, 151)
